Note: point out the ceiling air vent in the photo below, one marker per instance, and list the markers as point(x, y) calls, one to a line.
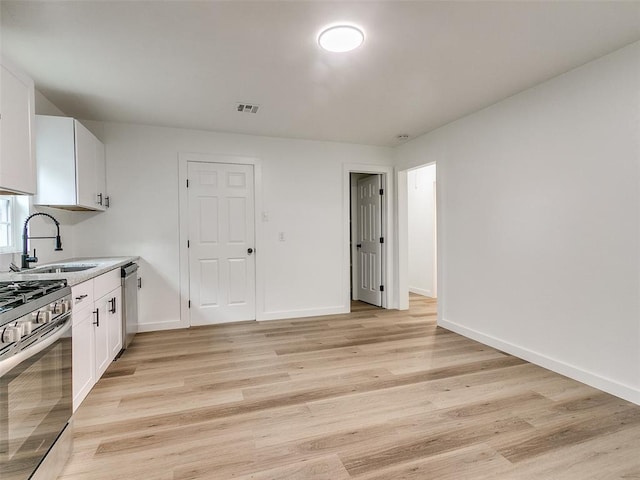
point(247, 107)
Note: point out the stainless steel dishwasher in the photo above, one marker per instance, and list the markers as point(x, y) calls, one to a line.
point(130, 285)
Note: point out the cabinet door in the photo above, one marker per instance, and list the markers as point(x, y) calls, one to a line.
point(17, 158)
point(101, 175)
point(83, 355)
point(86, 167)
point(56, 153)
point(115, 322)
point(101, 335)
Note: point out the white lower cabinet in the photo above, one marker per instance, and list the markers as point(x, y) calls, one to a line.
point(114, 313)
point(97, 330)
point(108, 332)
point(83, 356)
point(101, 335)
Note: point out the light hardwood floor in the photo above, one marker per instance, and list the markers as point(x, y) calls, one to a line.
point(376, 394)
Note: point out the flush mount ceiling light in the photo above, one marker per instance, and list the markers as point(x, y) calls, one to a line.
point(341, 38)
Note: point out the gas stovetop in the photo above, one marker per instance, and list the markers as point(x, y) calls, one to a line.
point(29, 311)
point(16, 294)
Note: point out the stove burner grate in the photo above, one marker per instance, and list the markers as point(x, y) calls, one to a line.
point(14, 294)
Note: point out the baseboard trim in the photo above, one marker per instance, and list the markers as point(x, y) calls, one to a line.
point(311, 312)
point(261, 316)
point(621, 390)
point(154, 327)
point(421, 291)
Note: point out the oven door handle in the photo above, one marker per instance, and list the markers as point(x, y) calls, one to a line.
point(8, 364)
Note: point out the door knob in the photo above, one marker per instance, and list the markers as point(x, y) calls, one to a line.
point(359, 245)
point(250, 251)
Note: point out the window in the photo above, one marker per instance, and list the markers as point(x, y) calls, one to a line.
point(6, 219)
point(13, 212)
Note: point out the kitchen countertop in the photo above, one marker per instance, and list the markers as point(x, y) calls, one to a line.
point(104, 264)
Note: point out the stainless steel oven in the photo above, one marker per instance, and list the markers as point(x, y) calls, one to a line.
point(35, 381)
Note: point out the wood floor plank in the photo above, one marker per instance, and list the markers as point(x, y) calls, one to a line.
point(550, 439)
point(468, 462)
point(431, 445)
point(326, 468)
point(601, 458)
point(372, 395)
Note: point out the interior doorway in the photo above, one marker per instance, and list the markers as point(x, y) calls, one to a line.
point(421, 182)
point(384, 288)
point(367, 238)
point(422, 231)
point(221, 242)
point(225, 192)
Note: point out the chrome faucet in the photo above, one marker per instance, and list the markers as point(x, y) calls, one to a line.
point(26, 259)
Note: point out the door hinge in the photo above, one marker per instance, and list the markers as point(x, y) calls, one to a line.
point(189, 303)
point(382, 191)
point(381, 239)
point(188, 244)
point(382, 288)
point(187, 183)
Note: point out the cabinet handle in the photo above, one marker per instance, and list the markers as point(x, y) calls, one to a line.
point(140, 282)
point(97, 314)
point(99, 199)
point(81, 297)
point(113, 305)
point(107, 201)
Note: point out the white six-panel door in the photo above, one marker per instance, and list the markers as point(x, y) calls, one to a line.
point(369, 202)
point(221, 243)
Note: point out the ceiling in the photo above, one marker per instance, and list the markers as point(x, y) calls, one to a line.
point(186, 63)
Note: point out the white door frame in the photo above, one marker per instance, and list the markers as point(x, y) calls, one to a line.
point(183, 201)
point(355, 227)
point(388, 300)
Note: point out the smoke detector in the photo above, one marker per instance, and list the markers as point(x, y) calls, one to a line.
point(247, 107)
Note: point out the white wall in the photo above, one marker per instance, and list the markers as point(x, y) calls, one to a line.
point(421, 230)
point(539, 222)
point(301, 191)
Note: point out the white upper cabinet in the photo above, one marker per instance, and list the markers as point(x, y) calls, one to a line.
point(71, 165)
point(17, 158)
point(86, 168)
point(101, 175)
